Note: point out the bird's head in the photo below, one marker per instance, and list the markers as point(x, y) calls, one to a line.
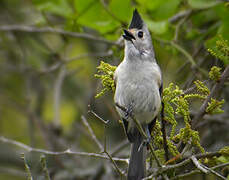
point(137, 38)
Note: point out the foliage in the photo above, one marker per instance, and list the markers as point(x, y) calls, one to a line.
point(214, 107)
point(49, 51)
point(107, 77)
point(176, 103)
point(221, 50)
point(214, 73)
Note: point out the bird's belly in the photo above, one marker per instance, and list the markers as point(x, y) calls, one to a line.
point(142, 97)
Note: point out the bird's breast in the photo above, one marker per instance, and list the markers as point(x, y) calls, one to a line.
point(138, 89)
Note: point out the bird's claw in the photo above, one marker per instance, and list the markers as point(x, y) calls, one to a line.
point(129, 111)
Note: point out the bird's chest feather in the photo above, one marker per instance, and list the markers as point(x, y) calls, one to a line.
point(137, 86)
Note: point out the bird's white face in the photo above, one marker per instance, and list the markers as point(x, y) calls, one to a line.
point(138, 42)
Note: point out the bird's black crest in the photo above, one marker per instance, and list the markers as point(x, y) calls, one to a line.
point(136, 21)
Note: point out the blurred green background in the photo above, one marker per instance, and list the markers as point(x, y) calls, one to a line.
point(47, 77)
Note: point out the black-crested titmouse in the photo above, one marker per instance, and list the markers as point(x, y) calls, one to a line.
point(138, 89)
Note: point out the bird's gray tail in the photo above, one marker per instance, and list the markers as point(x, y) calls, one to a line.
point(136, 170)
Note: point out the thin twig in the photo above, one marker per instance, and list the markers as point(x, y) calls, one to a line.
point(114, 163)
point(55, 153)
point(196, 171)
point(186, 161)
point(33, 29)
point(198, 165)
point(98, 54)
point(215, 173)
point(92, 133)
point(220, 165)
point(96, 115)
point(182, 14)
point(179, 15)
point(180, 23)
point(57, 95)
point(57, 65)
point(179, 48)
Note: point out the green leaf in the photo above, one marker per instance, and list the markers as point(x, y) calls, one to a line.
point(224, 29)
point(162, 10)
point(219, 48)
point(58, 7)
point(200, 4)
point(159, 27)
point(92, 14)
point(121, 9)
point(151, 4)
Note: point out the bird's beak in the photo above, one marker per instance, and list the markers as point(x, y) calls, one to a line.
point(128, 35)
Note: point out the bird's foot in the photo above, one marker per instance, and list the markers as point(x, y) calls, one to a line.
point(146, 143)
point(129, 111)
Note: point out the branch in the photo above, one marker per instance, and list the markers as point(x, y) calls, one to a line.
point(180, 23)
point(186, 161)
point(54, 153)
point(198, 165)
point(57, 65)
point(57, 95)
point(96, 115)
point(179, 48)
point(100, 145)
point(179, 15)
point(215, 89)
point(215, 173)
point(33, 29)
point(182, 14)
point(92, 133)
point(196, 171)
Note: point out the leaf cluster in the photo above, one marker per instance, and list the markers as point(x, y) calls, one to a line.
point(221, 50)
point(177, 103)
point(106, 74)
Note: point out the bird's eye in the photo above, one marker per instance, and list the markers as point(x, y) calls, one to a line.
point(140, 34)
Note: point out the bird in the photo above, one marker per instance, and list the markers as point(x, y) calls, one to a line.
point(138, 82)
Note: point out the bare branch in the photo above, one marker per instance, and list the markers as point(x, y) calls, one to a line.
point(96, 115)
point(66, 152)
point(33, 29)
point(196, 171)
point(179, 48)
point(179, 15)
point(57, 95)
point(215, 173)
point(100, 145)
point(198, 165)
point(57, 65)
point(114, 163)
point(180, 23)
point(92, 133)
